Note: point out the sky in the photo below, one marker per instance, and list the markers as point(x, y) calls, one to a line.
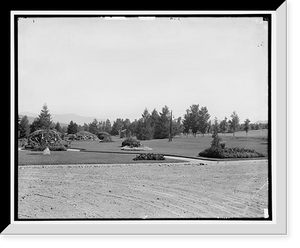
point(117, 68)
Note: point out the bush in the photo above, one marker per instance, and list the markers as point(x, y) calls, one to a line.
point(66, 143)
point(52, 147)
point(40, 139)
point(104, 137)
point(85, 135)
point(216, 140)
point(218, 152)
point(222, 144)
point(22, 142)
point(149, 156)
point(131, 142)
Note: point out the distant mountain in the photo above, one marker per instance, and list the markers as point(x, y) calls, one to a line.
point(263, 122)
point(80, 120)
point(63, 119)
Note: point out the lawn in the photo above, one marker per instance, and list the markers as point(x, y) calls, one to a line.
point(94, 152)
point(27, 157)
point(183, 146)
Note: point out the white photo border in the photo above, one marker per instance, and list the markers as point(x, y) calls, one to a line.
point(278, 224)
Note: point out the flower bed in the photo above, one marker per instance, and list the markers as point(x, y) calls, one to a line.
point(142, 148)
point(149, 156)
point(131, 142)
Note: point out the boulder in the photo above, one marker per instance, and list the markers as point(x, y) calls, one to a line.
point(46, 151)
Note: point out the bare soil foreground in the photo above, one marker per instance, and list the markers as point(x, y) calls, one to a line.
point(144, 191)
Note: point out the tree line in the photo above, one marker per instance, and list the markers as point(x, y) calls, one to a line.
point(151, 125)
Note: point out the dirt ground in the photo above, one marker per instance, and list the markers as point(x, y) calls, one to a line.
point(144, 191)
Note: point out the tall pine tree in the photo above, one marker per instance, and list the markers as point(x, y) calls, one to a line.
point(234, 122)
point(72, 128)
point(203, 120)
point(43, 121)
point(44, 117)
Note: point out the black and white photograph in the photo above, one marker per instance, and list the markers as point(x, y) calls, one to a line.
point(143, 117)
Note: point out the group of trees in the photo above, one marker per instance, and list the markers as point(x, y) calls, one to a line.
point(154, 125)
point(196, 120)
point(94, 127)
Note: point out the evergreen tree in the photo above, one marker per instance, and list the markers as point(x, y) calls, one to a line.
point(194, 118)
point(246, 126)
point(234, 122)
point(107, 126)
point(24, 127)
point(177, 127)
point(186, 123)
point(209, 127)
point(101, 126)
point(85, 127)
point(93, 127)
point(43, 121)
point(162, 127)
point(144, 130)
point(154, 120)
point(223, 125)
point(203, 120)
point(216, 126)
point(117, 127)
point(126, 123)
point(45, 118)
point(133, 127)
point(35, 125)
point(58, 127)
point(72, 128)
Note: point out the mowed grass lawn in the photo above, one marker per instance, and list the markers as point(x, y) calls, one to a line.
point(184, 146)
point(94, 152)
point(26, 157)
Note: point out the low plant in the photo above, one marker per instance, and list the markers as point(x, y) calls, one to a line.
point(131, 142)
point(52, 147)
point(41, 139)
point(104, 137)
point(149, 156)
point(218, 152)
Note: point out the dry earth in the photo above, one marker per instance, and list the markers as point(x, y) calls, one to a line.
point(182, 190)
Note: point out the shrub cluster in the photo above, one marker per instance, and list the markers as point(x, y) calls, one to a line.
point(22, 142)
point(131, 142)
point(52, 147)
point(40, 139)
point(218, 152)
point(85, 135)
point(104, 137)
point(149, 156)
